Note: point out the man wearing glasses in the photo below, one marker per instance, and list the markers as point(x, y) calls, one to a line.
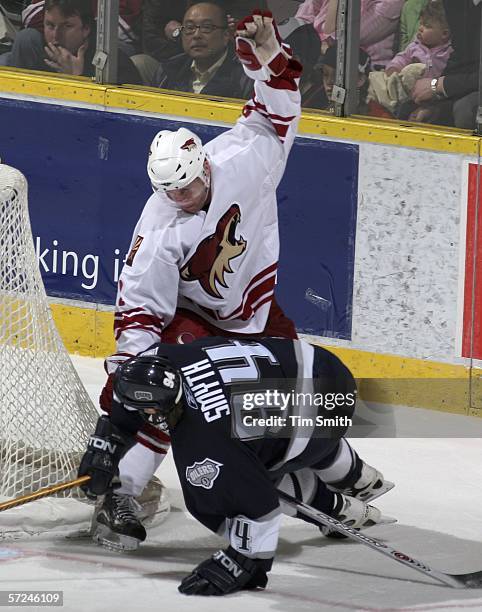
point(209, 64)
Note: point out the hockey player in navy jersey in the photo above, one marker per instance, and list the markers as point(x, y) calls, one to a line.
point(204, 254)
point(231, 459)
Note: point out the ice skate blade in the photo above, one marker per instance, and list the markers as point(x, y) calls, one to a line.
point(369, 495)
point(328, 532)
point(385, 520)
point(376, 493)
point(107, 538)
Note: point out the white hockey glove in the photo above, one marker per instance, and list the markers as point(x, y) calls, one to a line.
point(259, 46)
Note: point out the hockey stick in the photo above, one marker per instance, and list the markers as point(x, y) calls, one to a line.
point(45, 492)
point(472, 580)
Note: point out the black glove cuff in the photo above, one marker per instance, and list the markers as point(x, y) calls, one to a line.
point(247, 563)
point(256, 567)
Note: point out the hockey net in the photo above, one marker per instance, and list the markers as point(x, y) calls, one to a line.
point(46, 414)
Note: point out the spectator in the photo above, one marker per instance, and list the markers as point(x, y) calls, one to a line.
point(453, 98)
point(161, 30)
point(67, 44)
point(129, 21)
point(323, 98)
point(161, 23)
point(304, 41)
point(427, 56)
point(208, 64)
point(378, 24)
point(410, 21)
point(431, 47)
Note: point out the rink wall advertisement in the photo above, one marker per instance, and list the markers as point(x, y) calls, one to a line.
point(380, 249)
point(88, 185)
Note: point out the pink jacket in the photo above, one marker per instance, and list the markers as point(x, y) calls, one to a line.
point(435, 59)
point(379, 22)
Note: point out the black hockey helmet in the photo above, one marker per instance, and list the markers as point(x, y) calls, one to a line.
point(148, 381)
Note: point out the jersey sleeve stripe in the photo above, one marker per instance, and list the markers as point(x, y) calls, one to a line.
point(151, 444)
point(138, 321)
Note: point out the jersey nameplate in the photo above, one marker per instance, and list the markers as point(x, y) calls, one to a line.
point(206, 390)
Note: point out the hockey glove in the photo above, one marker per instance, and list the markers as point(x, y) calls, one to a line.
point(227, 571)
point(105, 449)
point(259, 45)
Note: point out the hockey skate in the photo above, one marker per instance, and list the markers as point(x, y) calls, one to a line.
point(369, 486)
point(116, 525)
point(356, 514)
point(150, 509)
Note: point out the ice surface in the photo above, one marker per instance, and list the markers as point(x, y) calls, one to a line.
point(437, 500)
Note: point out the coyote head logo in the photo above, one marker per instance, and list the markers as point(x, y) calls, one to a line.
point(212, 259)
point(189, 145)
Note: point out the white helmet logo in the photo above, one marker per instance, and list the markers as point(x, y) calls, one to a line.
point(143, 395)
point(189, 145)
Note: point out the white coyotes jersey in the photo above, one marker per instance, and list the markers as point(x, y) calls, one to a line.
point(220, 263)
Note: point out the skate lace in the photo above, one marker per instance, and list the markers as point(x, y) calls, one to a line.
point(125, 508)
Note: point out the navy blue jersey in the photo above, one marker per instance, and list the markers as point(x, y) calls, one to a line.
point(228, 471)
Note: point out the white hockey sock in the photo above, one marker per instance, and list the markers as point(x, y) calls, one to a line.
point(341, 466)
point(137, 468)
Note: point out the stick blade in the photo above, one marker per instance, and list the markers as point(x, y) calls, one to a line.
point(472, 580)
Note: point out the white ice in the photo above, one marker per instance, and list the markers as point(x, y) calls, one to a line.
point(437, 500)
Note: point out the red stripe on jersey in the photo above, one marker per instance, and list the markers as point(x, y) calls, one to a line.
point(287, 79)
point(144, 319)
point(150, 446)
point(281, 82)
point(266, 288)
point(255, 279)
point(245, 310)
point(119, 332)
point(287, 118)
point(281, 130)
point(154, 432)
point(123, 322)
point(121, 313)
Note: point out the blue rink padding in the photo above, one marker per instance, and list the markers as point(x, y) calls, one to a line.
point(88, 185)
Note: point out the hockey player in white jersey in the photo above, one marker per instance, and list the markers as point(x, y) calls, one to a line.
point(204, 254)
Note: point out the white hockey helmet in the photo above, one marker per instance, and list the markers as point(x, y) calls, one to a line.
point(175, 159)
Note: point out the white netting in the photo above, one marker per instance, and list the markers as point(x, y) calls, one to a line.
point(46, 415)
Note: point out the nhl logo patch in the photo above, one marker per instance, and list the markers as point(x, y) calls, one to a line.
point(203, 473)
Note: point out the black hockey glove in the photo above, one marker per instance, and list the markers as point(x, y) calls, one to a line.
point(105, 449)
point(227, 571)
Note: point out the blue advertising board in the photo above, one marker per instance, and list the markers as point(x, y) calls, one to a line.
point(88, 185)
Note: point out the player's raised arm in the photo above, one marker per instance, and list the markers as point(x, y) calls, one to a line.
point(268, 61)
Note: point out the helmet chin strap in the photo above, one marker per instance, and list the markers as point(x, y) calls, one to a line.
point(206, 179)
